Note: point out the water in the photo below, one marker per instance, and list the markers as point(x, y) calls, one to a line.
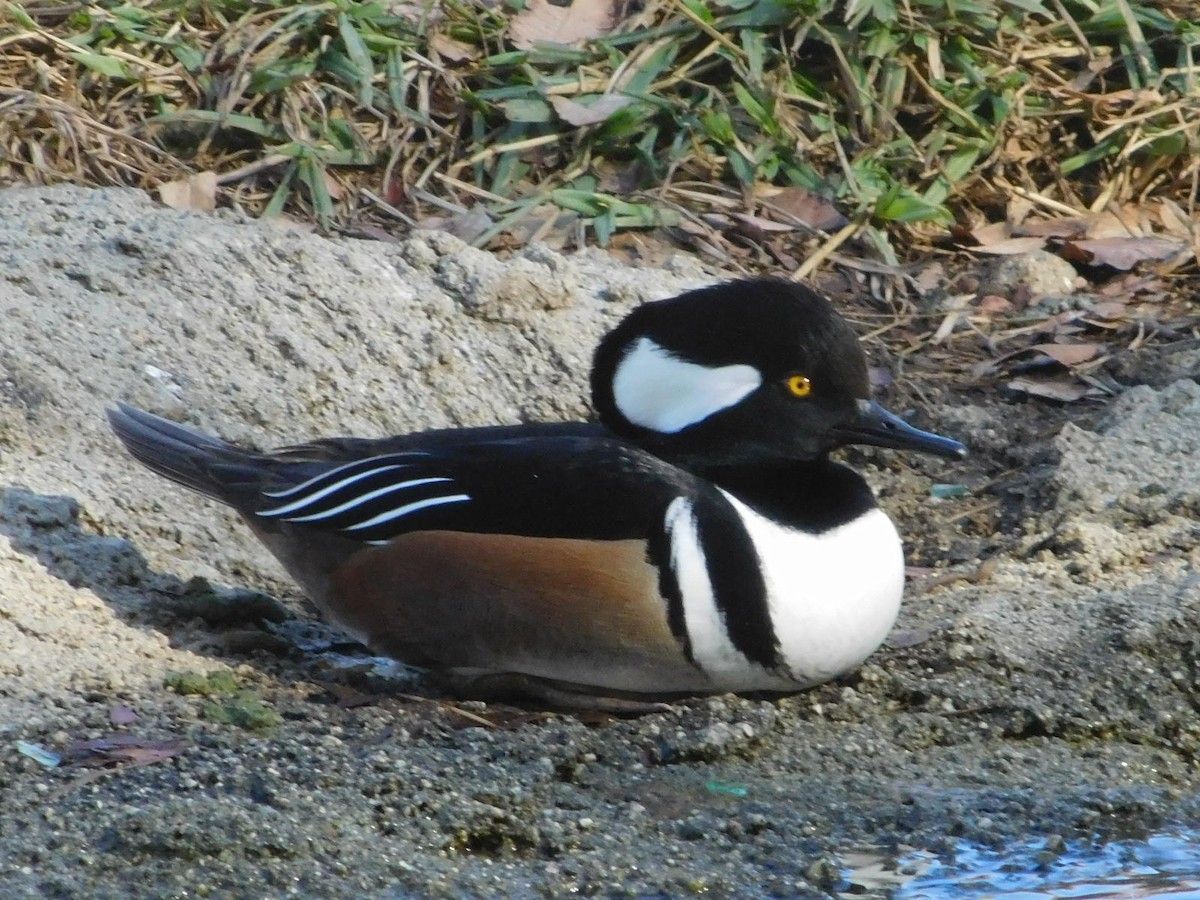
point(1166, 864)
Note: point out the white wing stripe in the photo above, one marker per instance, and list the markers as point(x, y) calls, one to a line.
point(332, 473)
point(363, 498)
point(401, 511)
point(309, 499)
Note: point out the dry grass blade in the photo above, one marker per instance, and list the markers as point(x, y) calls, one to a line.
point(906, 117)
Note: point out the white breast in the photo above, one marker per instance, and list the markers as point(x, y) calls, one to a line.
point(833, 596)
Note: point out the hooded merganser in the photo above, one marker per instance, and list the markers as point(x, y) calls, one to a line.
point(696, 540)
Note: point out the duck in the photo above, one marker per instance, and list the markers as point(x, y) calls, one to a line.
point(696, 538)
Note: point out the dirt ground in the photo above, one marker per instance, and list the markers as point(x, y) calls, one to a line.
point(1043, 682)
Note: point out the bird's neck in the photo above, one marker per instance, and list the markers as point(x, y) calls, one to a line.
point(811, 495)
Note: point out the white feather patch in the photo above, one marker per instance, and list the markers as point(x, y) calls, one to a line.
point(833, 596)
point(657, 390)
point(402, 511)
point(711, 647)
point(363, 499)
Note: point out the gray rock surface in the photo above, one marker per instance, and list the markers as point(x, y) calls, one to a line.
point(1052, 692)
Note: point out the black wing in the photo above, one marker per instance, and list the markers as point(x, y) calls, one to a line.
point(564, 484)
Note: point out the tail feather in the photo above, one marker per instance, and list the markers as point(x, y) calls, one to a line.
point(189, 457)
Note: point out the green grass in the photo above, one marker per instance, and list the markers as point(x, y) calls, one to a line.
point(909, 116)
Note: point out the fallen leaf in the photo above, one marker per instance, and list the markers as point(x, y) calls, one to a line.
point(450, 49)
point(929, 277)
point(394, 191)
point(466, 225)
point(1119, 222)
point(1175, 220)
point(1110, 309)
point(993, 304)
point(1065, 390)
point(579, 115)
point(779, 252)
point(333, 186)
point(574, 25)
point(198, 192)
point(1012, 246)
point(1132, 283)
point(1121, 253)
point(1070, 354)
point(984, 235)
point(121, 749)
point(757, 227)
point(348, 697)
point(1048, 354)
point(808, 206)
point(1053, 228)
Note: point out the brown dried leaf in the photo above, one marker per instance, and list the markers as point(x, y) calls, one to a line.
point(348, 697)
point(986, 235)
point(1119, 222)
point(1065, 324)
point(333, 186)
point(121, 748)
point(809, 207)
point(1175, 220)
point(466, 225)
point(1054, 228)
point(929, 277)
point(993, 304)
point(1070, 354)
point(1121, 253)
point(579, 115)
point(1110, 309)
point(779, 252)
point(1124, 287)
point(450, 49)
point(1065, 390)
point(757, 226)
point(198, 192)
point(574, 25)
point(1012, 246)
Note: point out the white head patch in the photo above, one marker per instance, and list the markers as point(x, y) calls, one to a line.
point(656, 390)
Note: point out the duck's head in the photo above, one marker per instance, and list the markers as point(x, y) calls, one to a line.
point(747, 371)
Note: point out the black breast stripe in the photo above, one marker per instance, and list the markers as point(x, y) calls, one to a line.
point(736, 575)
point(658, 554)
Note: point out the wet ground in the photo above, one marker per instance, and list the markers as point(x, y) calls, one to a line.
point(1039, 697)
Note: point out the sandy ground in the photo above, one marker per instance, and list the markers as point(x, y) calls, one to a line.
point(1054, 691)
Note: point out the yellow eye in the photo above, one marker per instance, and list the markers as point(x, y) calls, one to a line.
point(799, 385)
